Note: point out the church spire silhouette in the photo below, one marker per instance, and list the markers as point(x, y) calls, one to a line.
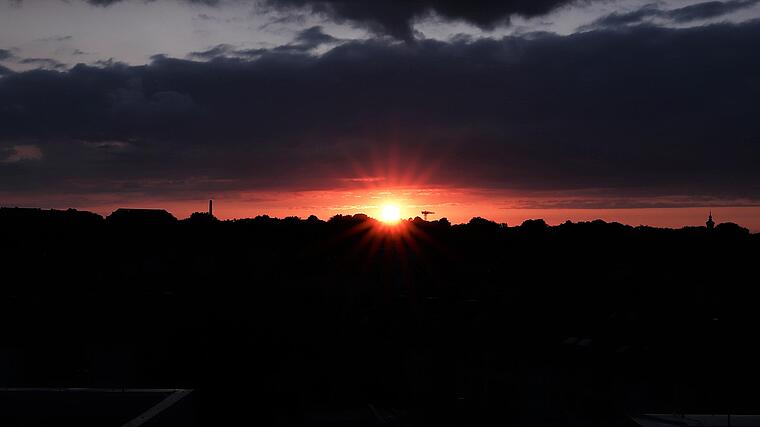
point(710, 223)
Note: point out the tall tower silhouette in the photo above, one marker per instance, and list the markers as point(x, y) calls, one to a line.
point(210, 208)
point(710, 223)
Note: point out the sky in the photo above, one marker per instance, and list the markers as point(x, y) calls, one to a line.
point(642, 112)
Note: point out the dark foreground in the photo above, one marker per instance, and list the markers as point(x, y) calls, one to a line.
point(349, 322)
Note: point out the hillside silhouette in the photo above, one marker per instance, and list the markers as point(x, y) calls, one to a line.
point(310, 322)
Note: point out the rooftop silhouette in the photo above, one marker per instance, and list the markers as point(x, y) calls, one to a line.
point(140, 216)
point(302, 320)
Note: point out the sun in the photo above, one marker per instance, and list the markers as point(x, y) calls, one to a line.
point(390, 214)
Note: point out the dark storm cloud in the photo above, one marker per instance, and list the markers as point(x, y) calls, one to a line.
point(648, 111)
point(5, 54)
point(707, 10)
point(228, 51)
point(305, 41)
point(695, 12)
point(217, 51)
point(616, 19)
point(313, 37)
point(396, 17)
point(43, 63)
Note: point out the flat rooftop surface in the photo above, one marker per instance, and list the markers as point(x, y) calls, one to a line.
point(701, 420)
point(84, 406)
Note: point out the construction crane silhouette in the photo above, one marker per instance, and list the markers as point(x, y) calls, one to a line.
point(425, 214)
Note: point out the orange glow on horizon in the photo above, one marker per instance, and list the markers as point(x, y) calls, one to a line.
point(458, 205)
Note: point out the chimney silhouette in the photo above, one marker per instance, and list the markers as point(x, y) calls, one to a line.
point(211, 208)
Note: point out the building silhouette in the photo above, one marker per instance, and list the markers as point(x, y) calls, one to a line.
point(710, 223)
point(131, 216)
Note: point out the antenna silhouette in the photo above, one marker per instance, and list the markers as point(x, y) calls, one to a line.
point(426, 213)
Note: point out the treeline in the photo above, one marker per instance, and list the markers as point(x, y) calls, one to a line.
point(289, 320)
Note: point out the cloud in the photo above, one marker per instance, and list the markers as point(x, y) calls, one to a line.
point(109, 146)
point(225, 50)
point(56, 39)
point(396, 17)
point(20, 153)
point(648, 112)
point(313, 37)
point(5, 54)
point(106, 3)
point(48, 63)
point(615, 20)
point(696, 12)
point(305, 41)
point(708, 10)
